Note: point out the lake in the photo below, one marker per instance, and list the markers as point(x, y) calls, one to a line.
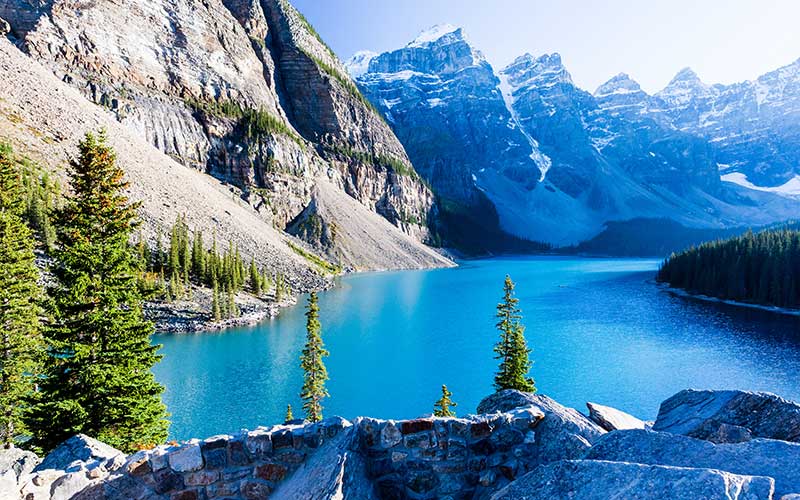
point(601, 331)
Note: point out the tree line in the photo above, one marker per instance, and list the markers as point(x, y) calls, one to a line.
point(187, 262)
point(760, 268)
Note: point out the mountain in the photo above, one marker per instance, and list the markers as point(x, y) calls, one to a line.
point(247, 92)
point(611, 155)
point(243, 90)
point(753, 125)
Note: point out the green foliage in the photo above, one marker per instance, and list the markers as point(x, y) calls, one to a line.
point(759, 268)
point(39, 195)
point(21, 342)
point(256, 123)
point(289, 415)
point(512, 349)
point(314, 372)
point(97, 376)
point(388, 162)
point(442, 407)
point(324, 265)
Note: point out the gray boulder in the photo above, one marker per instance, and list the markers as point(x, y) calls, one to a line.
point(15, 464)
point(564, 433)
point(590, 480)
point(5, 28)
point(729, 416)
point(612, 419)
point(334, 471)
point(759, 457)
point(73, 466)
point(78, 451)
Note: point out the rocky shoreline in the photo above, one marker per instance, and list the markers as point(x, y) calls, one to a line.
point(730, 445)
point(679, 292)
point(194, 315)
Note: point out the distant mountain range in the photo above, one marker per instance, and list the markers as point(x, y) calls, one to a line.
point(555, 163)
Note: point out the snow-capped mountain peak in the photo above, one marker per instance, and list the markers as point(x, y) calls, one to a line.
point(359, 63)
point(620, 84)
point(687, 74)
point(435, 33)
point(543, 71)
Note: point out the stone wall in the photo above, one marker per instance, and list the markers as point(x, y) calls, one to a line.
point(424, 458)
point(248, 465)
point(448, 457)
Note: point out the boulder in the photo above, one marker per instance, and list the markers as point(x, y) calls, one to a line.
point(612, 419)
point(5, 28)
point(78, 451)
point(334, 471)
point(73, 466)
point(758, 457)
point(14, 465)
point(729, 416)
point(563, 433)
point(600, 480)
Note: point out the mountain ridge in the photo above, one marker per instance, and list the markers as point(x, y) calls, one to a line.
point(614, 154)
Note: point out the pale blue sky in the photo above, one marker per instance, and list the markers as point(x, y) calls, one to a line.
point(724, 41)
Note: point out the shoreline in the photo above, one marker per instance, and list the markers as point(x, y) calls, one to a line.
point(193, 316)
point(679, 292)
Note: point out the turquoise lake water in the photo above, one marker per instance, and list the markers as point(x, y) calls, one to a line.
point(601, 331)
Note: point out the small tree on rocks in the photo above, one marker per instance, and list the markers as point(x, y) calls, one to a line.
point(315, 373)
point(512, 349)
point(442, 407)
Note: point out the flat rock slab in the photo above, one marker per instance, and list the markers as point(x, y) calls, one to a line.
point(612, 419)
point(601, 480)
point(729, 416)
point(759, 457)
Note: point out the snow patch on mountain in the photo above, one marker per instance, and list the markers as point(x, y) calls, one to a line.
point(433, 34)
point(790, 188)
point(542, 160)
point(359, 63)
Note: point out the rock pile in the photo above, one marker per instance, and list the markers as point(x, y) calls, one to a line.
point(521, 446)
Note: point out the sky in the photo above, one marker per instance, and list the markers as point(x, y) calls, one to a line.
point(724, 41)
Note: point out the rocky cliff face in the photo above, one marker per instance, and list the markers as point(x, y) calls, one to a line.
point(441, 97)
point(753, 125)
point(241, 89)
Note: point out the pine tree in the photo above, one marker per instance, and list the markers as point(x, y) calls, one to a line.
point(511, 349)
point(315, 373)
point(255, 278)
point(442, 407)
point(289, 415)
point(233, 309)
point(20, 340)
point(198, 256)
point(216, 311)
point(97, 376)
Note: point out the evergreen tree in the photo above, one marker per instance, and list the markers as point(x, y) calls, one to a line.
point(233, 309)
point(20, 342)
point(255, 278)
point(442, 407)
point(289, 415)
point(216, 311)
point(97, 376)
point(198, 256)
point(511, 349)
point(315, 373)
